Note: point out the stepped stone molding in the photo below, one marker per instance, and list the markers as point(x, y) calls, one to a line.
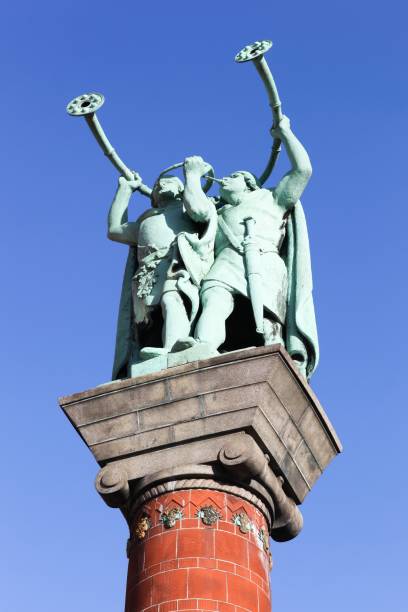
point(185, 413)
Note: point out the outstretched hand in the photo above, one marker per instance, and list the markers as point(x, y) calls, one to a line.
point(133, 184)
point(282, 128)
point(196, 165)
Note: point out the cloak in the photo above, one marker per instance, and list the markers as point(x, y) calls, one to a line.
point(301, 331)
point(197, 255)
point(299, 322)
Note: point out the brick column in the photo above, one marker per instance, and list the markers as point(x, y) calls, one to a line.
point(198, 549)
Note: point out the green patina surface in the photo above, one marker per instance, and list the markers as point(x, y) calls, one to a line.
point(208, 274)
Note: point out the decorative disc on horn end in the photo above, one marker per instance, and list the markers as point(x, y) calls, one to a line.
point(251, 52)
point(85, 105)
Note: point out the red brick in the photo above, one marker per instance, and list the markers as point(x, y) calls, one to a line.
point(208, 563)
point(255, 579)
point(208, 584)
point(226, 566)
point(155, 531)
point(154, 569)
point(258, 560)
point(189, 523)
point(241, 571)
point(135, 565)
point(174, 499)
point(229, 547)
point(191, 562)
point(225, 607)
point(264, 602)
point(207, 604)
point(169, 585)
point(242, 592)
point(140, 596)
point(169, 606)
point(230, 527)
point(265, 586)
point(187, 604)
point(160, 548)
point(152, 609)
point(168, 565)
point(195, 543)
point(208, 497)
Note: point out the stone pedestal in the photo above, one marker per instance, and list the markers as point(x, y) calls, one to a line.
point(205, 461)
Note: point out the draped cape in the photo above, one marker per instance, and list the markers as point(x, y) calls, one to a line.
point(301, 331)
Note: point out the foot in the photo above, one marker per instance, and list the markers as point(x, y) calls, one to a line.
point(182, 344)
point(149, 352)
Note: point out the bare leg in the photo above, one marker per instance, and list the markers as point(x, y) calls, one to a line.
point(175, 320)
point(218, 304)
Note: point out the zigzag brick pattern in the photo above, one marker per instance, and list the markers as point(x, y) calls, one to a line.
point(193, 566)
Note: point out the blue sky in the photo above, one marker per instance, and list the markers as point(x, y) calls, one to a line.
point(172, 89)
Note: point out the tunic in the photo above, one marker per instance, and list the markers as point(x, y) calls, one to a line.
point(229, 266)
point(158, 257)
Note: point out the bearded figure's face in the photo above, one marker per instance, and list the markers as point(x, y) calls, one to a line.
point(166, 189)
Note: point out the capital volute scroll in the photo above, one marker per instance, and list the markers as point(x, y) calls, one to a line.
point(113, 486)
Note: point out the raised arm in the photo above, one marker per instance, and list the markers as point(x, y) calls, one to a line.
point(195, 201)
point(119, 228)
point(291, 187)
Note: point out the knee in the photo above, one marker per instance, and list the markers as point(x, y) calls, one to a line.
point(217, 297)
point(170, 299)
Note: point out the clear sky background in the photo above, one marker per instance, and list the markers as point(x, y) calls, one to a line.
point(172, 89)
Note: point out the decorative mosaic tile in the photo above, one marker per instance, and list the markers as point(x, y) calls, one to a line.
point(244, 523)
point(264, 539)
point(208, 514)
point(142, 526)
point(169, 517)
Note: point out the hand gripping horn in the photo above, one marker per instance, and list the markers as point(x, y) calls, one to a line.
point(255, 53)
point(210, 176)
point(86, 106)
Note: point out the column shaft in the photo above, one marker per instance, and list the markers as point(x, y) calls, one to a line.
point(198, 549)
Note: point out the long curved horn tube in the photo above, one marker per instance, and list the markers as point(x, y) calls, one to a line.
point(86, 106)
point(255, 53)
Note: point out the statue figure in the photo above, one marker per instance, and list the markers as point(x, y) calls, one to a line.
point(269, 225)
point(171, 249)
point(171, 279)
